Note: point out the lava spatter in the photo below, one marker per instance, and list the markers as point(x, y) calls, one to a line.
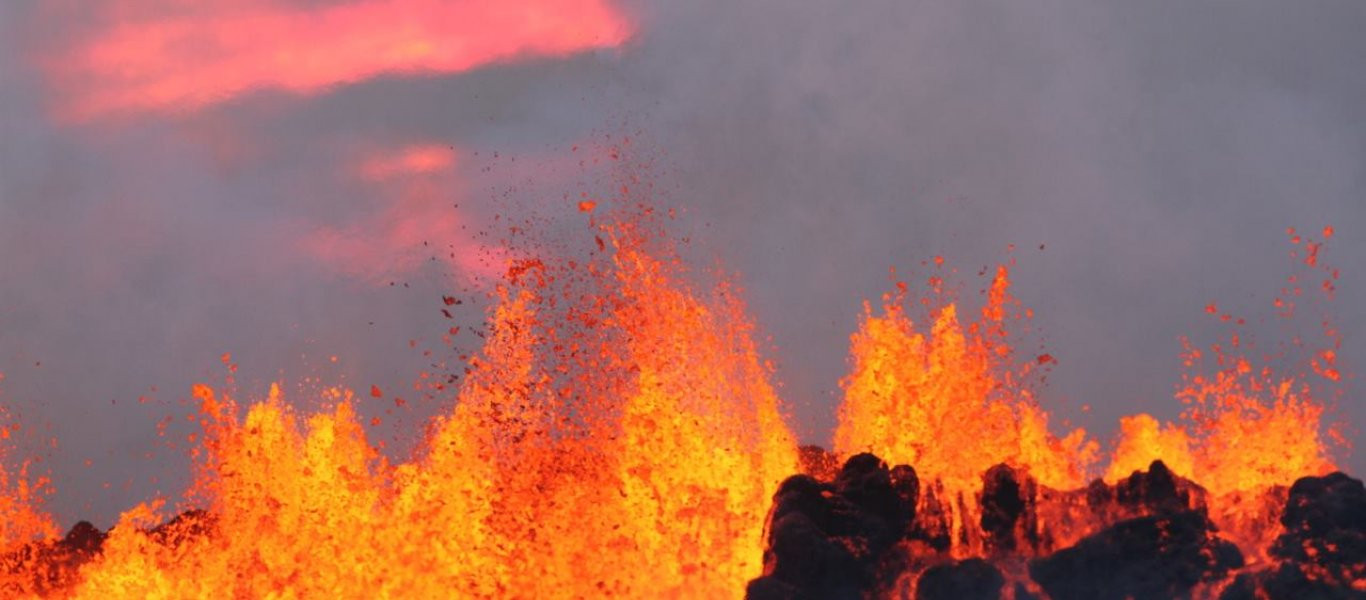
point(951, 403)
point(617, 435)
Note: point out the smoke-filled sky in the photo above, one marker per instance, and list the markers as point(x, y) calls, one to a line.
point(289, 181)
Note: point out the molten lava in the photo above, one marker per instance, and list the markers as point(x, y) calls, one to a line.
point(648, 474)
point(951, 404)
point(618, 434)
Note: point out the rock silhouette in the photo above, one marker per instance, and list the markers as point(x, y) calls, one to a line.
point(867, 530)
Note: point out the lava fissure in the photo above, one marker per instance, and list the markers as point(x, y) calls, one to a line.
point(619, 435)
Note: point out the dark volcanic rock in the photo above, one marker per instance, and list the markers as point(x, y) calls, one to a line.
point(1325, 522)
point(866, 482)
point(869, 531)
point(1157, 557)
point(84, 537)
point(971, 579)
point(1158, 490)
point(1323, 548)
point(50, 565)
point(907, 487)
point(1003, 503)
point(826, 540)
point(1289, 581)
point(772, 588)
point(803, 494)
point(806, 557)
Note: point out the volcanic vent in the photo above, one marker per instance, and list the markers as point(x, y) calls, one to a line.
point(618, 436)
point(954, 487)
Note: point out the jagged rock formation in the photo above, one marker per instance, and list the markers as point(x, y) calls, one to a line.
point(971, 579)
point(1155, 557)
point(1323, 548)
point(870, 531)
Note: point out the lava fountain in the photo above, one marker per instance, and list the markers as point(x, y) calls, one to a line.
point(619, 435)
point(1236, 500)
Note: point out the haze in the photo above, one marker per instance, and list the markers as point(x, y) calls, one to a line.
point(272, 179)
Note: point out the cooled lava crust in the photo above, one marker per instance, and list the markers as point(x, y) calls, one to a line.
point(869, 531)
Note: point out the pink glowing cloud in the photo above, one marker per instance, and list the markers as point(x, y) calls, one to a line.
point(415, 222)
point(200, 55)
point(418, 159)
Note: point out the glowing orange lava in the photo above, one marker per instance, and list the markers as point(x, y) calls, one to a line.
point(1249, 431)
point(618, 434)
point(951, 403)
point(649, 475)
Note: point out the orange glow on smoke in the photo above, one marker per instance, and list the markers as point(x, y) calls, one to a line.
point(418, 159)
point(212, 52)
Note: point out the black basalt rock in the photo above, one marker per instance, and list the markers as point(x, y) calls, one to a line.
point(906, 485)
point(867, 482)
point(971, 579)
point(1157, 557)
point(84, 537)
point(808, 558)
point(1156, 490)
point(1325, 521)
point(803, 494)
point(869, 531)
point(1323, 548)
point(827, 540)
point(1003, 503)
